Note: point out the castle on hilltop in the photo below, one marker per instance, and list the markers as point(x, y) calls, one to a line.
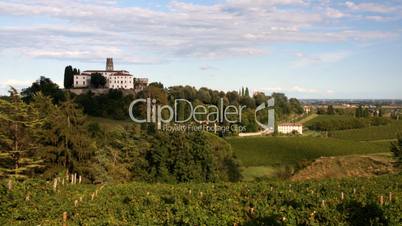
point(115, 79)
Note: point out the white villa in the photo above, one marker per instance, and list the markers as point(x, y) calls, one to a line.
point(115, 79)
point(287, 128)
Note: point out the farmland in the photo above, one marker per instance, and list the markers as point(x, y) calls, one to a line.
point(386, 132)
point(274, 151)
point(350, 201)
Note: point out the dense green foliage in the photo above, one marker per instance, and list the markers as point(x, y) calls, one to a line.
point(185, 157)
point(343, 122)
point(397, 150)
point(361, 112)
point(46, 87)
point(265, 151)
point(98, 80)
point(112, 105)
point(43, 139)
point(262, 203)
point(115, 104)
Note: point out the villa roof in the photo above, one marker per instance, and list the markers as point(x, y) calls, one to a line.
point(290, 124)
point(114, 73)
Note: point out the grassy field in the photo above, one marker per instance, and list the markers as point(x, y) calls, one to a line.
point(276, 151)
point(387, 132)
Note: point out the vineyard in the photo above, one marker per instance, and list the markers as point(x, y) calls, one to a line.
point(375, 201)
point(263, 151)
point(389, 131)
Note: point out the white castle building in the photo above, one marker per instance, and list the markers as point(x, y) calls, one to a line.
point(115, 79)
point(287, 128)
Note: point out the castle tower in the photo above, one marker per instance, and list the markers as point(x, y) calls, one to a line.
point(109, 64)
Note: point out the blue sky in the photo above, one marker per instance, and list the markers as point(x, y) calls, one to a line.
point(304, 48)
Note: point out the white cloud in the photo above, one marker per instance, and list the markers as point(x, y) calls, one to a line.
point(14, 82)
point(300, 89)
point(307, 60)
point(5, 85)
point(90, 30)
point(334, 13)
point(273, 89)
point(207, 68)
point(297, 90)
point(369, 7)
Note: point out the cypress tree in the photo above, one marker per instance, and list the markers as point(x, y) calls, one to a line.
point(247, 93)
point(68, 77)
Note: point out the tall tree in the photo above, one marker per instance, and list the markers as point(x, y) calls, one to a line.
point(19, 123)
point(359, 112)
point(47, 87)
point(295, 106)
point(330, 110)
point(65, 137)
point(397, 150)
point(98, 80)
point(68, 77)
point(247, 92)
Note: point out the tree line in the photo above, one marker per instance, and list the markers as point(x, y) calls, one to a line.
point(44, 137)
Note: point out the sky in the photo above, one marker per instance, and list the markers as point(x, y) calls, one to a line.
point(303, 48)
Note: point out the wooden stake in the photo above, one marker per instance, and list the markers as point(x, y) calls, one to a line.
point(342, 196)
point(28, 197)
point(381, 200)
point(76, 203)
point(323, 203)
point(65, 219)
point(390, 197)
point(10, 185)
point(55, 184)
point(79, 180)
